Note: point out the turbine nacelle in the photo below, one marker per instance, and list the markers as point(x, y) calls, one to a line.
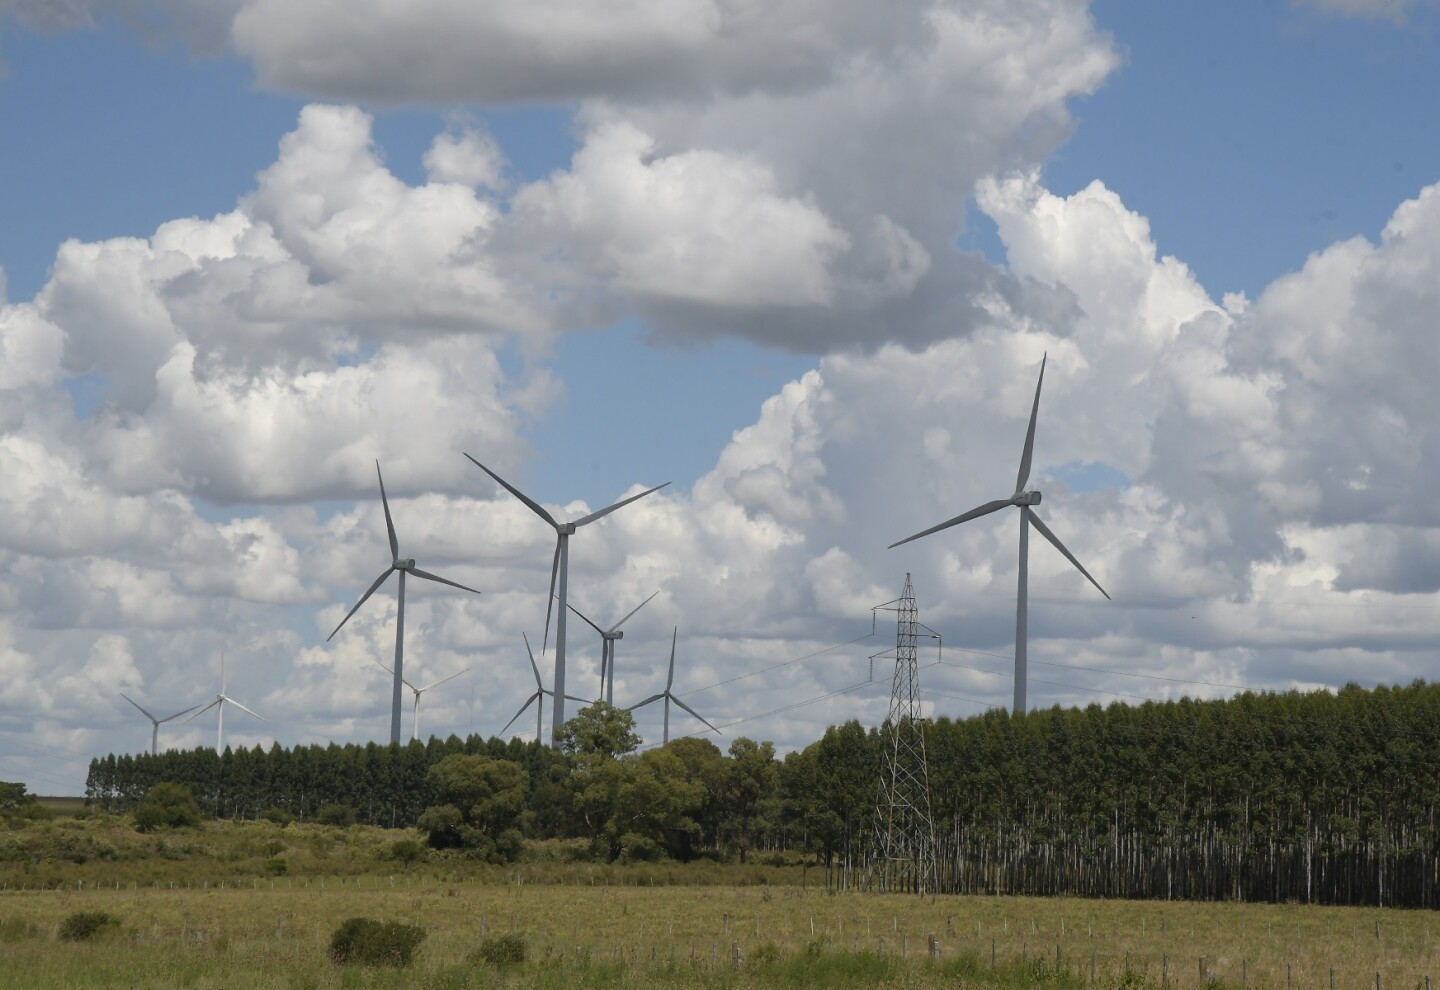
point(1025, 498)
point(405, 564)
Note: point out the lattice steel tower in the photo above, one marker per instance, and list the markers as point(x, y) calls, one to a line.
point(902, 849)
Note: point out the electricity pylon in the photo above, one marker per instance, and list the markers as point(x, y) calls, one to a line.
point(902, 848)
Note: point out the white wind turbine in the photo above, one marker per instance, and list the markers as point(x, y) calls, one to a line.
point(607, 648)
point(536, 699)
point(418, 691)
point(668, 696)
point(405, 565)
point(221, 700)
point(155, 729)
point(559, 571)
point(1024, 500)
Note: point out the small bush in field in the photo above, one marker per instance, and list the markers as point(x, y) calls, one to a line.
point(166, 805)
point(407, 851)
point(336, 814)
point(502, 950)
point(367, 942)
point(279, 816)
point(276, 867)
point(86, 924)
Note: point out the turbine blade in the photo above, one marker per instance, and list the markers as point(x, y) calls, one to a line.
point(176, 715)
point(246, 710)
point(363, 599)
point(550, 602)
point(1024, 474)
point(671, 679)
point(389, 523)
point(528, 702)
point(694, 712)
point(204, 710)
point(586, 618)
point(653, 697)
point(145, 713)
point(439, 580)
point(583, 701)
point(442, 680)
point(616, 626)
point(1045, 532)
point(534, 506)
point(975, 513)
point(381, 664)
point(533, 665)
point(611, 508)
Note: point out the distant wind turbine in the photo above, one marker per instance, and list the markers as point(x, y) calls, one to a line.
point(155, 730)
point(221, 700)
point(1024, 500)
point(668, 696)
point(607, 648)
point(418, 691)
point(559, 571)
point(536, 699)
point(405, 565)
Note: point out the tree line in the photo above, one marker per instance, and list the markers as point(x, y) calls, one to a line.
point(1314, 797)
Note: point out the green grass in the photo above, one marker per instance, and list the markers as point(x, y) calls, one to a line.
point(207, 908)
point(275, 933)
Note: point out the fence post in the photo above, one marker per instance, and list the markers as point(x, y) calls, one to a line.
point(935, 951)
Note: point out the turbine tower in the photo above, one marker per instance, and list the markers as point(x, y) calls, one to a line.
point(1025, 500)
point(405, 565)
point(537, 699)
point(418, 691)
point(669, 696)
point(221, 700)
point(902, 846)
point(155, 730)
point(607, 649)
point(559, 571)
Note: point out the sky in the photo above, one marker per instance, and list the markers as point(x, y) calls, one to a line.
point(800, 260)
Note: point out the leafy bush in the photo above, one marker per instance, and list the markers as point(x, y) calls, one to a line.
point(86, 924)
point(276, 867)
point(375, 943)
point(336, 814)
point(406, 851)
point(502, 950)
point(279, 816)
point(636, 848)
point(166, 806)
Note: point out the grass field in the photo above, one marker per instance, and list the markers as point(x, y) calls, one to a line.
point(253, 905)
point(274, 933)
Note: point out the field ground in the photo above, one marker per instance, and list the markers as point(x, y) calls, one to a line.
point(274, 932)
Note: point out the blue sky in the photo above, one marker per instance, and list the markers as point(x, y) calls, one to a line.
point(813, 299)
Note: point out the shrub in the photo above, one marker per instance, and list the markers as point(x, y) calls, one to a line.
point(166, 806)
point(375, 943)
point(502, 950)
point(336, 814)
point(86, 924)
point(407, 851)
point(279, 816)
point(276, 867)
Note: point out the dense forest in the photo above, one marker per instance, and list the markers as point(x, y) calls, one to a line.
point(1320, 797)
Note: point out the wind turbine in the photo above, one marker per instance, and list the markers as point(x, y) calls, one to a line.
point(415, 711)
point(221, 700)
point(1024, 500)
point(607, 648)
point(559, 569)
point(669, 696)
point(537, 698)
point(155, 731)
point(404, 565)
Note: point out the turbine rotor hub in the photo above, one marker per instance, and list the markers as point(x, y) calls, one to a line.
point(404, 563)
point(1025, 498)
